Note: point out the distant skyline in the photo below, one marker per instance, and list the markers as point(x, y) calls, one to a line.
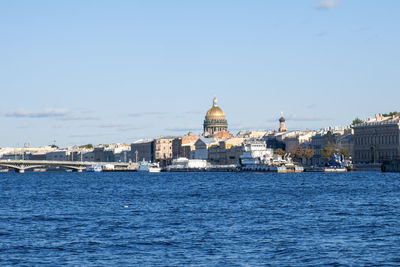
point(97, 71)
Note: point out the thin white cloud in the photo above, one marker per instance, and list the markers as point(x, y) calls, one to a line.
point(295, 117)
point(150, 113)
point(245, 127)
point(327, 4)
point(311, 106)
point(79, 118)
point(46, 113)
point(363, 29)
point(107, 125)
point(132, 128)
point(88, 135)
point(180, 129)
point(300, 118)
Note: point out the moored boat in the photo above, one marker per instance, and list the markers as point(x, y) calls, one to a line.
point(257, 157)
point(332, 169)
point(94, 168)
point(149, 166)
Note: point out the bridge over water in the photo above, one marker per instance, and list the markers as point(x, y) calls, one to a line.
point(22, 165)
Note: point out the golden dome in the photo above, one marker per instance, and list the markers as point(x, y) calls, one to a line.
point(215, 112)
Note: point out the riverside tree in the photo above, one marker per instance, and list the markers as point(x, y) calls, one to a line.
point(298, 153)
point(390, 114)
point(280, 151)
point(309, 153)
point(88, 146)
point(328, 150)
point(357, 121)
point(344, 152)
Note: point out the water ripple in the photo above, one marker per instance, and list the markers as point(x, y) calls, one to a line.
point(200, 219)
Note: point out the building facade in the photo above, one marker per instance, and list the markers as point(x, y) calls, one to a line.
point(59, 155)
point(142, 150)
point(163, 150)
point(227, 152)
point(201, 148)
point(181, 146)
point(377, 140)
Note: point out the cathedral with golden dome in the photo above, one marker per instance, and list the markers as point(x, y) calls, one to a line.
point(215, 120)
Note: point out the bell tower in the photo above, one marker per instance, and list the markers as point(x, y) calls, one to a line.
point(282, 127)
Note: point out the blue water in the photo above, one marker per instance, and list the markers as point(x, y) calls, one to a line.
point(200, 219)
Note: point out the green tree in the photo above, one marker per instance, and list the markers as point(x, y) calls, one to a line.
point(357, 121)
point(344, 152)
point(298, 153)
point(309, 153)
point(88, 146)
point(390, 114)
point(280, 151)
point(328, 150)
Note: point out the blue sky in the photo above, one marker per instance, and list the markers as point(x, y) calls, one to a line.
point(116, 71)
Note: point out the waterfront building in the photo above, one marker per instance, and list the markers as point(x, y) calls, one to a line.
point(215, 120)
point(36, 153)
point(298, 139)
point(201, 148)
point(323, 137)
point(143, 149)
point(13, 156)
point(112, 153)
point(35, 156)
point(98, 154)
point(75, 155)
point(87, 155)
point(59, 155)
point(123, 156)
point(318, 142)
point(346, 142)
point(253, 134)
point(377, 139)
point(117, 153)
point(276, 139)
point(226, 152)
point(109, 156)
point(163, 150)
point(81, 153)
point(273, 141)
point(101, 153)
point(222, 135)
point(181, 146)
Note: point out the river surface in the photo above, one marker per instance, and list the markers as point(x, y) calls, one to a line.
point(200, 219)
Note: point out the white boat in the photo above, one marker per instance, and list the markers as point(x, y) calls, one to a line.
point(332, 169)
point(94, 168)
point(257, 157)
point(108, 167)
point(145, 166)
